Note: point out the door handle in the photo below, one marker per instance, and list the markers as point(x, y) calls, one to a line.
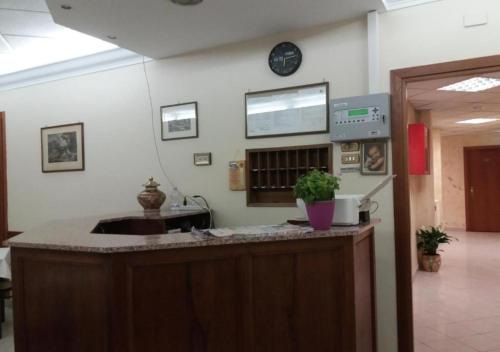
point(472, 191)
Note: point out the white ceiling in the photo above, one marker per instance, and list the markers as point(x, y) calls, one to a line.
point(159, 28)
point(448, 107)
point(29, 37)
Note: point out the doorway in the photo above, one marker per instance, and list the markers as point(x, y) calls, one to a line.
point(3, 180)
point(400, 79)
point(482, 191)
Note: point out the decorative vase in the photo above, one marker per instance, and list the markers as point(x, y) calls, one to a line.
point(431, 263)
point(151, 198)
point(321, 214)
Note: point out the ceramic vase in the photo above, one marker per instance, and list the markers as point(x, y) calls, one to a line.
point(151, 198)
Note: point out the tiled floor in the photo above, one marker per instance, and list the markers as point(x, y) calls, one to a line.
point(458, 309)
point(7, 341)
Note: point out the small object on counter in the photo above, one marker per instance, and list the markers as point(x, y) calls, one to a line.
point(221, 232)
point(151, 198)
point(298, 222)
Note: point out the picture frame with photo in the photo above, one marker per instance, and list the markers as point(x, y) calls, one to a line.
point(202, 159)
point(179, 121)
point(63, 148)
point(374, 157)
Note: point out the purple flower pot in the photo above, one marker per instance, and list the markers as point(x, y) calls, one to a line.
point(321, 214)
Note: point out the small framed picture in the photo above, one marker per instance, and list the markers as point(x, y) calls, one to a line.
point(63, 148)
point(349, 147)
point(374, 158)
point(179, 121)
point(202, 159)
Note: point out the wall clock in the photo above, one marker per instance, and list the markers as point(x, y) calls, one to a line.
point(285, 59)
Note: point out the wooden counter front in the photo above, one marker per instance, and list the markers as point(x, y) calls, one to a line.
point(297, 295)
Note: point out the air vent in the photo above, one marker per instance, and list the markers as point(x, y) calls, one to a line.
point(4, 45)
point(399, 4)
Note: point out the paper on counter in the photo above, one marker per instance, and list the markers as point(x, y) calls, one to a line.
point(259, 230)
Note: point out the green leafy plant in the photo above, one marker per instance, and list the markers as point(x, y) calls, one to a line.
point(429, 239)
point(316, 186)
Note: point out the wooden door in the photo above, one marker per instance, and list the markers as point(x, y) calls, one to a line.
point(3, 180)
point(482, 188)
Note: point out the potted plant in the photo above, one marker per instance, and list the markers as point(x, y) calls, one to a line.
point(428, 241)
point(317, 190)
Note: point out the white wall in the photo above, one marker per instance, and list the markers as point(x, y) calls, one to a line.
point(434, 32)
point(119, 141)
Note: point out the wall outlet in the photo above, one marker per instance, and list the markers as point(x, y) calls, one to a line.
point(350, 159)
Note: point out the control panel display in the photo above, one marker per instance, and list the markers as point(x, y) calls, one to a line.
point(358, 118)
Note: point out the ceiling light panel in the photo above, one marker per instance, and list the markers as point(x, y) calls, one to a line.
point(477, 121)
point(25, 5)
point(4, 45)
point(399, 4)
point(476, 84)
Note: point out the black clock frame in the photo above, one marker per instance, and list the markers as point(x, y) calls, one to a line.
point(276, 47)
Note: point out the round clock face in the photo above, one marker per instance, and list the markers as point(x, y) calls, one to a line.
point(285, 59)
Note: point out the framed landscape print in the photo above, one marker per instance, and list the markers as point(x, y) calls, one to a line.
point(63, 148)
point(179, 121)
point(374, 158)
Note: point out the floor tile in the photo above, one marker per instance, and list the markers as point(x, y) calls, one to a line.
point(458, 308)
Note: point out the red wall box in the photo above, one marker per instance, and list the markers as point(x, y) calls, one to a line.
point(418, 149)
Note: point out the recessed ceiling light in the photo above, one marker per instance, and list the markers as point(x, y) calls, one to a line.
point(66, 7)
point(186, 2)
point(112, 37)
point(477, 121)
point(475, 84)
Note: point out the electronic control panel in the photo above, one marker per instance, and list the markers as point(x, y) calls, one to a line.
point(358, 118)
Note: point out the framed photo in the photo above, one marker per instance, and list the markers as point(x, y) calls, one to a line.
point(63, 148)
point(202, 159)
point(288, 111)
point(374, 158)
point(179, 121)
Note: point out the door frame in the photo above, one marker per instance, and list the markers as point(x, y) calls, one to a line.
point(467, 180)
point(4, 227)
point(403, 251)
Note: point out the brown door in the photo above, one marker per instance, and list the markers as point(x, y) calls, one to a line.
point(482, 188)
point(3, 180)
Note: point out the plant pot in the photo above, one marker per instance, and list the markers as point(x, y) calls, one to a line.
point(321, 214)
point(431, 263)
point(420, 253)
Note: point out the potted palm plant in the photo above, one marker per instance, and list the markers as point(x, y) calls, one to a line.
point(428, 241)
point(317, 190)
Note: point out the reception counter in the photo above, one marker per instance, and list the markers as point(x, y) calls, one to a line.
point(120, 283)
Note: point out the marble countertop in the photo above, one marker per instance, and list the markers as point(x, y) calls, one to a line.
point(75, 235)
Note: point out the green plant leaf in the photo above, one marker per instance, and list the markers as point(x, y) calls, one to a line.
point(316, 186)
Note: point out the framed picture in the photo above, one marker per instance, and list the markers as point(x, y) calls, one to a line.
point(202, 159)
point(179, 121)
point(374, 158)
point(288, 111)
point(63, 148)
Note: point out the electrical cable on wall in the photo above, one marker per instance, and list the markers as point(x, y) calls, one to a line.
point(158, 156)
point(174, 187)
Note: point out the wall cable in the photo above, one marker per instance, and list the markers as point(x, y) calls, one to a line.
point(157, 150)
point(174, 187)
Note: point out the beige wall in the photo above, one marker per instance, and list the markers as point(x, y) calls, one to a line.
point(422, 189)
point(437, 174)
point(453, 174)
